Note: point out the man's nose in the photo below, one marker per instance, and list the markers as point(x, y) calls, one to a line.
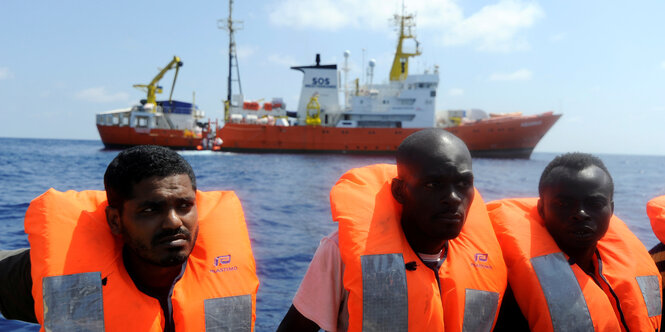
point(451, 196)
point(580, 213)
point(172, 219)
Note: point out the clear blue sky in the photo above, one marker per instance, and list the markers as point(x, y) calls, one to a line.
point(600, 64)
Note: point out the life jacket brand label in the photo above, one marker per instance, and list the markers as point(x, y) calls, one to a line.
point(220, 262)
point(480, 260)
point(481, 257)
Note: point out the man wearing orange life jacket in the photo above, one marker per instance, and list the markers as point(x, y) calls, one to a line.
point(414, 251)
point(656, 213)
point(573, 265)
point(159, 256)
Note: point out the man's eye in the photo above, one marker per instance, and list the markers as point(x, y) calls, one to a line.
point(431, 185)
point(561, 203)
point(597, 203)
point(147, 210)
point(465, 183)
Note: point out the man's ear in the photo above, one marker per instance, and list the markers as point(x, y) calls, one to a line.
point(113, 219)
point(540, 208)
point(397, 189)
point(612, 206)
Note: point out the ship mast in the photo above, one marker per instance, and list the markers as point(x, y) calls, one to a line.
point(400, 68)
point(231, 26)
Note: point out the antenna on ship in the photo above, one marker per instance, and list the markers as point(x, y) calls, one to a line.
point(400, 68)
point(346, 69)
point(370, 74)
point(231, 26)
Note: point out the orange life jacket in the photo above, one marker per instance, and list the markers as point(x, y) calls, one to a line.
point(80, 282)
point(556, 296)
point(656, 212)
point(383, 294)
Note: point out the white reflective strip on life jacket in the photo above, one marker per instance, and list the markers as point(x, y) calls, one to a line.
point(385, 298)
point(651, 292)
point(565, 300)
point(479, 310)
point(73, 302)
point(232, 313)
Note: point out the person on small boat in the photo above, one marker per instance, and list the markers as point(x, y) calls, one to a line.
point(656, 213)
point(151, 253)
point(414, 248)
point(572, 264)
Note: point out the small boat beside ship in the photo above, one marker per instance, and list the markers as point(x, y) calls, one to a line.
point(374, 118)
point(171, 123)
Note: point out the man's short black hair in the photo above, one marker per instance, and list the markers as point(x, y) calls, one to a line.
point(137, 163)
point(576, 161)
point(421, 143)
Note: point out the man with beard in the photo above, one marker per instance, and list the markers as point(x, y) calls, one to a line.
point(149, 254)
point(573, 265)
point(414, 251)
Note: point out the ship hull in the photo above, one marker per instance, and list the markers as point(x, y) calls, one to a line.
point(510, 137)
point(117, 137)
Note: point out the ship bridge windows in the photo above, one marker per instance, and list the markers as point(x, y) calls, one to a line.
point(422, 85)
point(109, 119)
point(406, 101)
point(142, 122)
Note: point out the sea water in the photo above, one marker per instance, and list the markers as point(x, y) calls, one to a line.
point(285, 198)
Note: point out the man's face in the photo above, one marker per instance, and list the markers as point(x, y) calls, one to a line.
point(437, 193)
point(160, 224)
point(577, 207)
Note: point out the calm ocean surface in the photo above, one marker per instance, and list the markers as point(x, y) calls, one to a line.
point(285, 198)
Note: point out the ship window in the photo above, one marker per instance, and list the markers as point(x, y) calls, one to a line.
point(432, 93)
point(142, 122)
point(125, 121)
point(116, 120)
